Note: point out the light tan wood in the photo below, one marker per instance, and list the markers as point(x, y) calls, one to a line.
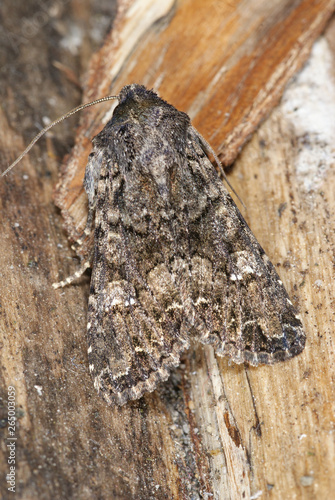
point(214, 429)
point(281, 418)
point(224, 63)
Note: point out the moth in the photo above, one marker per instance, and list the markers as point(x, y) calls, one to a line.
point(172, 258)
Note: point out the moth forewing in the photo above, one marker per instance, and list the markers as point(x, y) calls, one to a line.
point(172, 257)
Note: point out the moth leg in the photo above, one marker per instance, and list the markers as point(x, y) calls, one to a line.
point(92, 170)
point(87, 264)
point(88, 228)
point(92, 173)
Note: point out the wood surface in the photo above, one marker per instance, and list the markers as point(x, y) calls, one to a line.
point(214, 429)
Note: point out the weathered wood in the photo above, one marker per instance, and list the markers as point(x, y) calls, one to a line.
point(213, 428)
point(232, 61)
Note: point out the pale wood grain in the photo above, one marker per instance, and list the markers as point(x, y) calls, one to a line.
point(284, 415)
point(224, 63)
point(213, 428)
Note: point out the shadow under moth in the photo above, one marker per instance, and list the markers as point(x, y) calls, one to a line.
point(172, 257)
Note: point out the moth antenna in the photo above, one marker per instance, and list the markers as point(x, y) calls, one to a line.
point(55, 122)
point(209, 148)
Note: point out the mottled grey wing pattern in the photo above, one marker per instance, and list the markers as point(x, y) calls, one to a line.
point(135, 314)
point(135, 319)
point(173, 257)
point(241, 303)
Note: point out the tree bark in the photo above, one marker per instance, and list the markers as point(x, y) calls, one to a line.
point(213, 429)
